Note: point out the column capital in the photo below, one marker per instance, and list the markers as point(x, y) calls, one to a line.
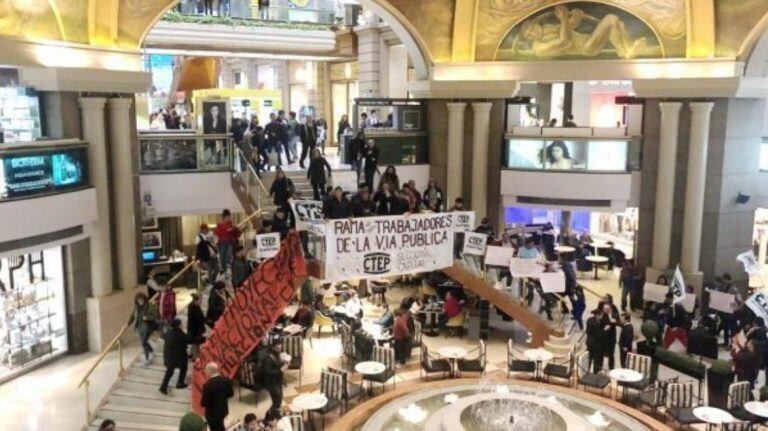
point(120, 103)
point(670, 107)
point(701, 107)
point(92, 102)
point(483, 107)
point(456, 106)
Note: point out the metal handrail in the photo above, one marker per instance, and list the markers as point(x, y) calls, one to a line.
point(117, 341)
point(249, 163)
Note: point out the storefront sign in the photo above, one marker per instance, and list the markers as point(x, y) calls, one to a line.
point(376, 247)
point(267, 245)
point(474, 243)
point(44, 172)
point(463, 221)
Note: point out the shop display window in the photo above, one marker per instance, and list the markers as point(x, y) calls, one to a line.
point(19, 115)
point(32, 311)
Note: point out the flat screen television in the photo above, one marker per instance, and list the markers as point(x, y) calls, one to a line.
point(149, 256)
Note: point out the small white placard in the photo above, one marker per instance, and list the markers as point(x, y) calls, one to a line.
point(552, 282)
point(474, 243)
point(721, 301)
point(498, 256)
point(655, 292)
point(529, 268)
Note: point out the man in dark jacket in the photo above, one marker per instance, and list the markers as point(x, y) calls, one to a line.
point(276, 135)
point(363, 204)
point(370, 156)
point(308, 138)
point(594, 341)
point(216, 391)
point(626, 338)
point(195, 323)
point(217, 303)
point(175, 355)
point(338, 207)
point(608, 322)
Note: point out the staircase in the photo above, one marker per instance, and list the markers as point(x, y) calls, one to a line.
point(135, 403)
point(540, 330)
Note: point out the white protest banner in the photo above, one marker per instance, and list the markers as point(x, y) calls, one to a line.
point(375, 247)
point(498, 256)
point(721, 301)
point(267, 245)
point(552, 282)
point(309, 215)
point(758, 303)
point(474, 243)
point(677, 286)
point(464, 221)
point(749, 261)
point(529, 268)
point(689, 303)
point(655, 292)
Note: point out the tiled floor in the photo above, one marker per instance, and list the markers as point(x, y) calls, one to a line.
point(49, 395)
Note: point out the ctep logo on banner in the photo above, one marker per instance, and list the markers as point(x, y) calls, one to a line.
point(758, 303)
point(474, 243)
point(373, 247)
point(267, 245)
point(463, 221)
point(309, 215)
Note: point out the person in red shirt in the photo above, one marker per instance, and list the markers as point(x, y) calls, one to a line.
point(166, 305)
point(401, 333)
point(451, 308)
point(229, 236)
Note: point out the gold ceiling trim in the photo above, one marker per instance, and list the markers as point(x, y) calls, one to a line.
point(749, 43)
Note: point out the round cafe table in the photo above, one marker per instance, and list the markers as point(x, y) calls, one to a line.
point(308, 402)
point(597, 261)
point(624, 375)
point(370, 368)
point(757, 408)
point(538, 356)
point(452, 353)
point(712, 416)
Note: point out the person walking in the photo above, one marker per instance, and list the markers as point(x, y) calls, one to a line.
point(229, 236)
point(370, 157)
point(166, 305)
point(626, 338)
point(195, 324)
point(578, 305)
point(216, 393)
point(205, 253)
point(144, 321)
point(402, 336)
point(270, 373)
point(275, 133)
point(294, 134)
point(264, 10)
point(217, 304)
point(322, 134)
point(282, 189)
point(341, 130)
point(175, 356)
point(308, 137)
point(316, 173)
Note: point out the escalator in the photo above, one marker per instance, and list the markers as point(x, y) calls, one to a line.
point(538, 327)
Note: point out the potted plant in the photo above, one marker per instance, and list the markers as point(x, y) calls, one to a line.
point(719, 376)
point(650, 330)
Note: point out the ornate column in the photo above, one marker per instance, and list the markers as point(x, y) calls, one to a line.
point(92, 112)
point(480, 134)
point(455, 168)
point(694, 190)
point(665, 183)
point(369, 55)
point(124, 191)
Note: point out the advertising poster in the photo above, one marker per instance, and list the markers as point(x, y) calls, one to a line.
point(267, 245)
point(30, 174)
point(375, 247)
point(215, 154)
point(567, 155)
point(168, 155)
point(474, 243)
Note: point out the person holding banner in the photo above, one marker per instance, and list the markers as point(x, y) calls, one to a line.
point(363, 204)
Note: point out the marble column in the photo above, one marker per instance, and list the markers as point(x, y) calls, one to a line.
point(92, 112)
point(665, 183)
point(480, 135)
point(694, 191)
point(369, 59)
point(124, 191)
point(455, 169)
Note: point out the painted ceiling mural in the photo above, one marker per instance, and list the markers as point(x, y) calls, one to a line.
point(434, 21)
point(735, 20)
point(660, 24)
point(61, 20)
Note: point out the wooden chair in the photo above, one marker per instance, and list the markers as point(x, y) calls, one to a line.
point(738, 426)
point(517, 365)
point(331, 387)
point(386, 356)
point(351, 390)
point(562, 370)
point(296, 421)
point(246, 377)
point(379, 291)
point(330, 301)
point(417, 335)
point(293, 346)
point(641, 364)
point(680, 401)
point(655, 396)
point(432, 365)
point(739, 393)
point(586, 378)
point(322, 320)
point(476, 365)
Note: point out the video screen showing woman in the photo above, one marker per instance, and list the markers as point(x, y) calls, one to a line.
point(562, 156)
point(214, 118)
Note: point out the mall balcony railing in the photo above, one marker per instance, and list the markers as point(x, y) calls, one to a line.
point(40, 168)
point(325, 12)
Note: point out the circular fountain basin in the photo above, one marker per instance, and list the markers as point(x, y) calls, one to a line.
point(505, 412)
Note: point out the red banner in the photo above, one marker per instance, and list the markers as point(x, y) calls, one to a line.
point(251, 314)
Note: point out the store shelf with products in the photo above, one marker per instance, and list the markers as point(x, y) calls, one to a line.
point(19, 115)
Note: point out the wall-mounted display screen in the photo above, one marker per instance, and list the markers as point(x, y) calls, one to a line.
point(567, 155)
point(171, 155)
point(53, 170)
